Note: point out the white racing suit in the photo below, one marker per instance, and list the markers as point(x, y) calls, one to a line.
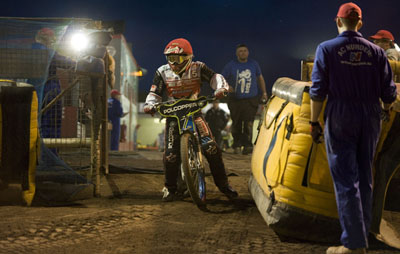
point(187, 85)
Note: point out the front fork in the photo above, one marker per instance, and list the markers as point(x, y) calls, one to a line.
point(197, 162)
point(189, 126)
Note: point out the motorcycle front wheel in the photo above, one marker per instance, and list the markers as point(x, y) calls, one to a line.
point(193, 169)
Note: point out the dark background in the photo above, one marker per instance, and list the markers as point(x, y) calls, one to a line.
point(279, 33)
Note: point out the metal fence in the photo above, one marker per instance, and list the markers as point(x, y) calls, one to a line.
point(71, 87)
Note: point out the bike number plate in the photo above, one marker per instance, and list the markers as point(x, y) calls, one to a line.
point(189, 124)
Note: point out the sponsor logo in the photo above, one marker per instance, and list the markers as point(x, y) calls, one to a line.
point(355, 47)
point(244, 81)
point(355, 56)
point(153, 88)
point(181, 91)
point(174, 50)
point(179, 107)
point(171, 158)
point(170, 136)
point(245, 74)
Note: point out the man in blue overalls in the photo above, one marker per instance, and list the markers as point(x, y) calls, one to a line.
point(115, 112)
point(355, 75)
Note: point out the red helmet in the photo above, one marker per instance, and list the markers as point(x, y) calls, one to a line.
point(178, 46)
point(179, 54)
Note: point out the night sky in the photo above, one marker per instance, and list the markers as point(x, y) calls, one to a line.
point(279, 33)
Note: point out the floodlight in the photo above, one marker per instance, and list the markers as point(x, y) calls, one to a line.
point(79, 41)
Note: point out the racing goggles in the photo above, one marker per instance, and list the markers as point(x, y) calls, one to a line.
point(177, 59)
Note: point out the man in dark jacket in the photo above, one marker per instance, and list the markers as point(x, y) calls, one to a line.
point(217, 120)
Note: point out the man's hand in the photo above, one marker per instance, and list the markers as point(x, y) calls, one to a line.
point(220, 93)
point(264, 98)
point(385, 115)
point(316, 132)
point(149, 109)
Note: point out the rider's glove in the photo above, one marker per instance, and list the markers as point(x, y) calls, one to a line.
point(149, 109)
point(316, 132)
point(220, 93)
point(385, 115)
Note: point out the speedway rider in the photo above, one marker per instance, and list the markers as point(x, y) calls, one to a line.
point(182, 78)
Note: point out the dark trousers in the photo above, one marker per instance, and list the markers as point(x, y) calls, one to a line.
point(115, 135)
point(243, 112)
point(172, 156)
point(51, 119)
point(217, 136)
point(351, 134)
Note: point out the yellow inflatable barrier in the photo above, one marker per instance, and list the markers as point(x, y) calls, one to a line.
point(291, 182)
point(19, 137)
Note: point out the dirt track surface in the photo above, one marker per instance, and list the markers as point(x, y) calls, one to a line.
point(129, 217)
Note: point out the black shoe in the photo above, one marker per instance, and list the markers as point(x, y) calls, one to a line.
point(229, 192)
point(170, 195)
point(247, 150)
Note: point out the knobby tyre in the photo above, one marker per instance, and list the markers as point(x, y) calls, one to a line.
point(193, 169)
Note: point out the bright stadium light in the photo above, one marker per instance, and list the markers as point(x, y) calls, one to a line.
point(79, 41)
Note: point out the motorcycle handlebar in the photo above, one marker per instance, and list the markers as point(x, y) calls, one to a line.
point(208, 99)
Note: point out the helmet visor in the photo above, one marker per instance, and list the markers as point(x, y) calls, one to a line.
point(177, 59)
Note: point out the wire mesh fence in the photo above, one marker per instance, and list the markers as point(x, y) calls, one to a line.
point(71, 89)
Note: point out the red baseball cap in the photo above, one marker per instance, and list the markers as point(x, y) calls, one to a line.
point(115, 92)
point(350, 11)
point(382, 34)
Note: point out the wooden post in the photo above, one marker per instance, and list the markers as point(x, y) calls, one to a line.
point(98, 153)
point(92, 149)
point(104, 123)
point(94, 159)
point(304, 71)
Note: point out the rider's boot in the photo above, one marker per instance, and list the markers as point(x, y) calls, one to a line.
point(217, 167)
point(170, 195)
point(229, 192)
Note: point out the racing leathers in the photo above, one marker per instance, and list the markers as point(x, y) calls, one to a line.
point(187, 85)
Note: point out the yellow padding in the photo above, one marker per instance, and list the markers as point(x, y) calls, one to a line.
point(297, 176)
point(395, 67)
point(1, 131)
point(33, 151)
